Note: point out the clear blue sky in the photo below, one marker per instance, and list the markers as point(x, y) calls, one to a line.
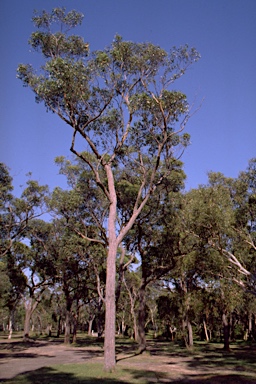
point(223, 131)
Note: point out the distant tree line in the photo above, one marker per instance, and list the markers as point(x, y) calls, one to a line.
point(186, 270)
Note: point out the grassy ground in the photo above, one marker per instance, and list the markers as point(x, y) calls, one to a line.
point(165, 362)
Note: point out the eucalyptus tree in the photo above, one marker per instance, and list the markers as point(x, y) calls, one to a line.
point(66, 259)
point(215, 219)
point(73, 275)
point(131, 284)
point(17, 212)
point(156, 238)
point(16, 215)
point(6, 199)
point(36, 264)
point(12, 286)
point(240, 245)
point(78, 215)
point(120, 102)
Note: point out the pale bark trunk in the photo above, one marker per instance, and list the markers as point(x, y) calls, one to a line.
point(114, 241)
point(132, 297)
point(190, 335)
point(123, 326)
point(250, 326)
point(27, 324)
point(152, 310)
point(10, 329)
point(49, 330)
point(67, 327)
point(59, 326)
point(10, 326)
point(250, 322)
point(110, 298)
point(90, 322)
point(29, 309)
point(205, 331)
point(110, 315)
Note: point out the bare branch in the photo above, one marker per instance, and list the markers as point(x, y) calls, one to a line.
point(88, 238)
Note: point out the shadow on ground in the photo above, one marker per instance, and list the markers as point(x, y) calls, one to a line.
point(52, 376)
point(217, 379)
point(206, 364)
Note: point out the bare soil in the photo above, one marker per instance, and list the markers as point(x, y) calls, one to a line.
point(17, 357)
point(166, 366)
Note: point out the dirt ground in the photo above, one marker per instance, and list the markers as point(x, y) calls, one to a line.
point(17, 358)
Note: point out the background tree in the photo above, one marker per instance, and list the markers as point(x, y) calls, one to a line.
point(36, 264)
point(239, 248)
point(79, 215)
point(156, 238)
point(16, 214)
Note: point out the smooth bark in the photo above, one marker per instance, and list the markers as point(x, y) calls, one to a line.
point(110, 298)
point(29, 309)
point(205, 330)
point(110, 305)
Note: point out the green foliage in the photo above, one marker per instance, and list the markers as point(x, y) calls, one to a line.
point(56, 44)
point(91, 93)
point(5, 185)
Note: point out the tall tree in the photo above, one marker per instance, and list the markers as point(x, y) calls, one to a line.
point(156, 238)
point(238, 243)
point(16, 215)
point(120, 102)
point(221, 227)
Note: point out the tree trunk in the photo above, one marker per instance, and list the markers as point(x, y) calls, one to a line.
point(40, 324)
point(110, 315)
point(132, 297)
point(75, 317)
point(29, 309)
point(135, 328)
point(90, 322)
point(10, 326)
point(100, 319)
point(59, 326)
point(250, 325)
point(113, 242)
point(67, 326)
point(49, 329)
point(123, 325)
point(141, 318)
point(152, 310)
point(205, 331)
point(26, 325)
point(110, 299)
point(190, 334)
point(10, 329)
point(226, 332)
